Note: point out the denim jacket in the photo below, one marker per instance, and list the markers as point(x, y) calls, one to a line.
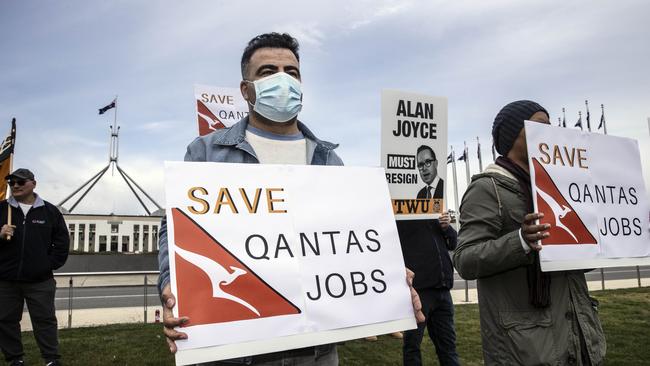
point(230, 145)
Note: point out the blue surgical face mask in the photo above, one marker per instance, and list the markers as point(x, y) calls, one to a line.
point(278, 97)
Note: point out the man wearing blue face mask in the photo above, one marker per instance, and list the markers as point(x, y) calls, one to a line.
point(271, 84)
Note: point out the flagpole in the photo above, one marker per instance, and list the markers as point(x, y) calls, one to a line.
point(580, 120)
point(602, 108)
point(480, 162)
point(466, 162)
point(588, 122)
point(11, 168)
point(113, 136)
point(453, 168)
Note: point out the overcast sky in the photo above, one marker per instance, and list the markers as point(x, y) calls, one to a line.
point(62, 60)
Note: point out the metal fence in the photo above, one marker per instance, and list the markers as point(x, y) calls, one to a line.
point(603, 275)
point(145, 285)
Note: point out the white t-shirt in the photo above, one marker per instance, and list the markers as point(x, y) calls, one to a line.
point(272, 148)
point(25, 207)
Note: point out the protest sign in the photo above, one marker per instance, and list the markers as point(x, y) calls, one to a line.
point(590, 189)
point(414, 152)
point(271, 257)
point(218, 107)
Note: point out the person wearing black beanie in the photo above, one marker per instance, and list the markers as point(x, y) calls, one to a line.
point(509, 122)
point(528, 317)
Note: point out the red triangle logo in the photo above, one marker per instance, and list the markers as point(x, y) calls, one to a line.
point(216, 287)
point(208, 122)
point(566, 226)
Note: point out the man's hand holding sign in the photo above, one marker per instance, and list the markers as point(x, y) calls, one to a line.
point(532, 232)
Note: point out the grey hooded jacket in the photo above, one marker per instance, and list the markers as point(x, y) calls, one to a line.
point(568, 332)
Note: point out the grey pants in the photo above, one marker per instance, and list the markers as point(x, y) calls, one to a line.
point(329, 359)
point(40, 303)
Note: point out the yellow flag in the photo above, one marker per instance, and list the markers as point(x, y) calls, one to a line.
point(6, 154)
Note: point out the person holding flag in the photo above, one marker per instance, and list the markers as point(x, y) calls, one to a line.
point(31, 246)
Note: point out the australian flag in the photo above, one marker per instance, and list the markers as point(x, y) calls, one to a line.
point(110, 106)
point(464, 156)
point(579, 123)
point(602, 119)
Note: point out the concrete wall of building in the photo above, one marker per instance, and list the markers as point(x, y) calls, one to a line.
point(109, 263)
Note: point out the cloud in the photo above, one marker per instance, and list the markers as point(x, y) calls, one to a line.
point(481, 55)
point(385, 9)
point(160, 126)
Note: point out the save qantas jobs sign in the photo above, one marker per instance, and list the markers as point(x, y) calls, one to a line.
point(272, 257)
point(218, 107)
point(590, 189)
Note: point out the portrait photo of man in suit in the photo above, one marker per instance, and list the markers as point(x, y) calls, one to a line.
point(427, 165)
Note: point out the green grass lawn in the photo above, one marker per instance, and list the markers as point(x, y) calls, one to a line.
point(625, 315)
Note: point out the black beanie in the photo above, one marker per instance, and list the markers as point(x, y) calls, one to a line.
point(509, 121)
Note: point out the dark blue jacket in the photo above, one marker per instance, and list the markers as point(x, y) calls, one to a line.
point(39, 245)
point(426, 252)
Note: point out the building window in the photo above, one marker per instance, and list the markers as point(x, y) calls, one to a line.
point(145, 237)
point(102, 243)
point(91, 237)
point(137, 246)
point(82, 232)
point(115, 228)
point(154, 236)
point(71, 232)
point(125, 243)
point(114, 241)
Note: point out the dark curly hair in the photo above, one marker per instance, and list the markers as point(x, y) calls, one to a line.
point(272, 40)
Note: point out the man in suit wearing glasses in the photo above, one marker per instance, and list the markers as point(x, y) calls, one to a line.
point(427, 165)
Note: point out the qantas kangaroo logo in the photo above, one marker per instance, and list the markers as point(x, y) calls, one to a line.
point(566, 225)
point(213, 285)
point(218, 276)
point(208, 122)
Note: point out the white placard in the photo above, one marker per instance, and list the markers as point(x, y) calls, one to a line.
point(218, 107)
point(414, 152)
point(271, 257)
point(590, 188)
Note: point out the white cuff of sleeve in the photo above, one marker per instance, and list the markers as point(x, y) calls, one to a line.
point(523, 243)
